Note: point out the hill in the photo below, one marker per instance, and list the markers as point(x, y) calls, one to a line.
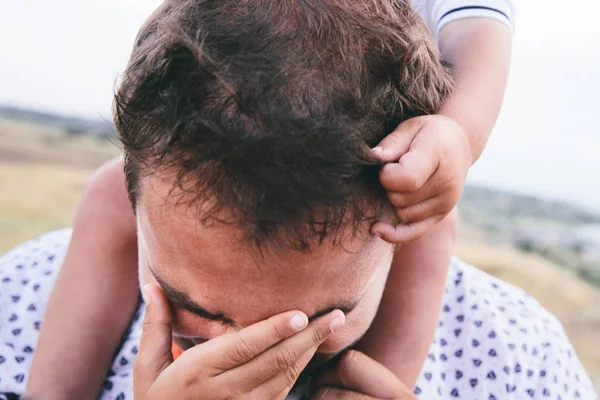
point(559, 232)
point(68, 124)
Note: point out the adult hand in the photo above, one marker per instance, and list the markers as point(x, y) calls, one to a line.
point(427, 160)
point(356, 376)
point(259, 362)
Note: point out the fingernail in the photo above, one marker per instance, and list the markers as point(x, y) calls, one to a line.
point(298, 322)
point(337, 323)
point(145, 294)
point(377, 149)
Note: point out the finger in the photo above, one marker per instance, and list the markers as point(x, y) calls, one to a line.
point(364, 375)
point(285, 379)
point(407, 199)
point(332, 393)
point(432, 188)
point(394, 145)
point(411, 172)
point(154, 353)
point(282, 363)
point(232, 350)
point(405, 233)
point(421, 211)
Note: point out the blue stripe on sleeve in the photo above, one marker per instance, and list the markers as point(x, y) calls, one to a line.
point(472, 8)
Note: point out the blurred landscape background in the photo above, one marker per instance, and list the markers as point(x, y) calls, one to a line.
point(530, 213)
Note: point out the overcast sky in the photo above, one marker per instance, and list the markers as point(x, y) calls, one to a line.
point(64, 56)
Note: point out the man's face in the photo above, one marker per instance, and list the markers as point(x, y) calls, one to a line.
point(218, 285)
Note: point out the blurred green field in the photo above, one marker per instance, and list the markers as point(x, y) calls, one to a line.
point(43, 173)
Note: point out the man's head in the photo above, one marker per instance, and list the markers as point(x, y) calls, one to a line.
point(246, 126)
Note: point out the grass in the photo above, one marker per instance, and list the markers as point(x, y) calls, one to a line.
point(42, 176)
point(42, 180)
point(36, 199)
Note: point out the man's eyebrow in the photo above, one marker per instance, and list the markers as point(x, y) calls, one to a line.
point(182, 300)
point(345, 308)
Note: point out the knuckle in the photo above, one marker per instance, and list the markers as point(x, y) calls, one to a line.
point(189, 380)
point(319, 335)
point(242, 350)
point(292, 374)
point(393, 140)
point(146, 326)
point(412, 182)
point(405, 216)
point(285, 358)
point(397, 200)
point(387, 178)
point(277, 332)
point(197, 374)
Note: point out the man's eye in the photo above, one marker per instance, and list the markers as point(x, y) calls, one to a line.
point(198, 341)
point(186, 343)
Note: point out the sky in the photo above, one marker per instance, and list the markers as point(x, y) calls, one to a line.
point(65, 56)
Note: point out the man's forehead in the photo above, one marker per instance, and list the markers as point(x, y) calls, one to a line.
point(184, 301)
point(222, 281)
point(210, 266)
point(173, 227)
point(211, 253)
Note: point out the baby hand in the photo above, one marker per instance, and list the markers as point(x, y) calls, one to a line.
point(426, 164)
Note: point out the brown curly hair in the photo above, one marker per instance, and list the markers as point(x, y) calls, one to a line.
point(264, 109)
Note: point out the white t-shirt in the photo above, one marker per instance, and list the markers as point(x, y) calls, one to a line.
point(437, 13)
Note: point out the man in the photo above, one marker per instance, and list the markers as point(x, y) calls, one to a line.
point(254, 195)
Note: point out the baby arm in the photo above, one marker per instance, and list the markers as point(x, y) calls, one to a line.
point(478, 50)
point(94, 296)
point(433, 155)
point(403, 329)
point(427, 158)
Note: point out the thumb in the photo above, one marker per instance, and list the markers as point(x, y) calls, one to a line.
point(397, 143)
point(154, 354)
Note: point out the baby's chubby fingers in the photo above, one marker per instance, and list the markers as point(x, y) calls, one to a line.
point(412, 171)
point(405, 233)
point(425, 209)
